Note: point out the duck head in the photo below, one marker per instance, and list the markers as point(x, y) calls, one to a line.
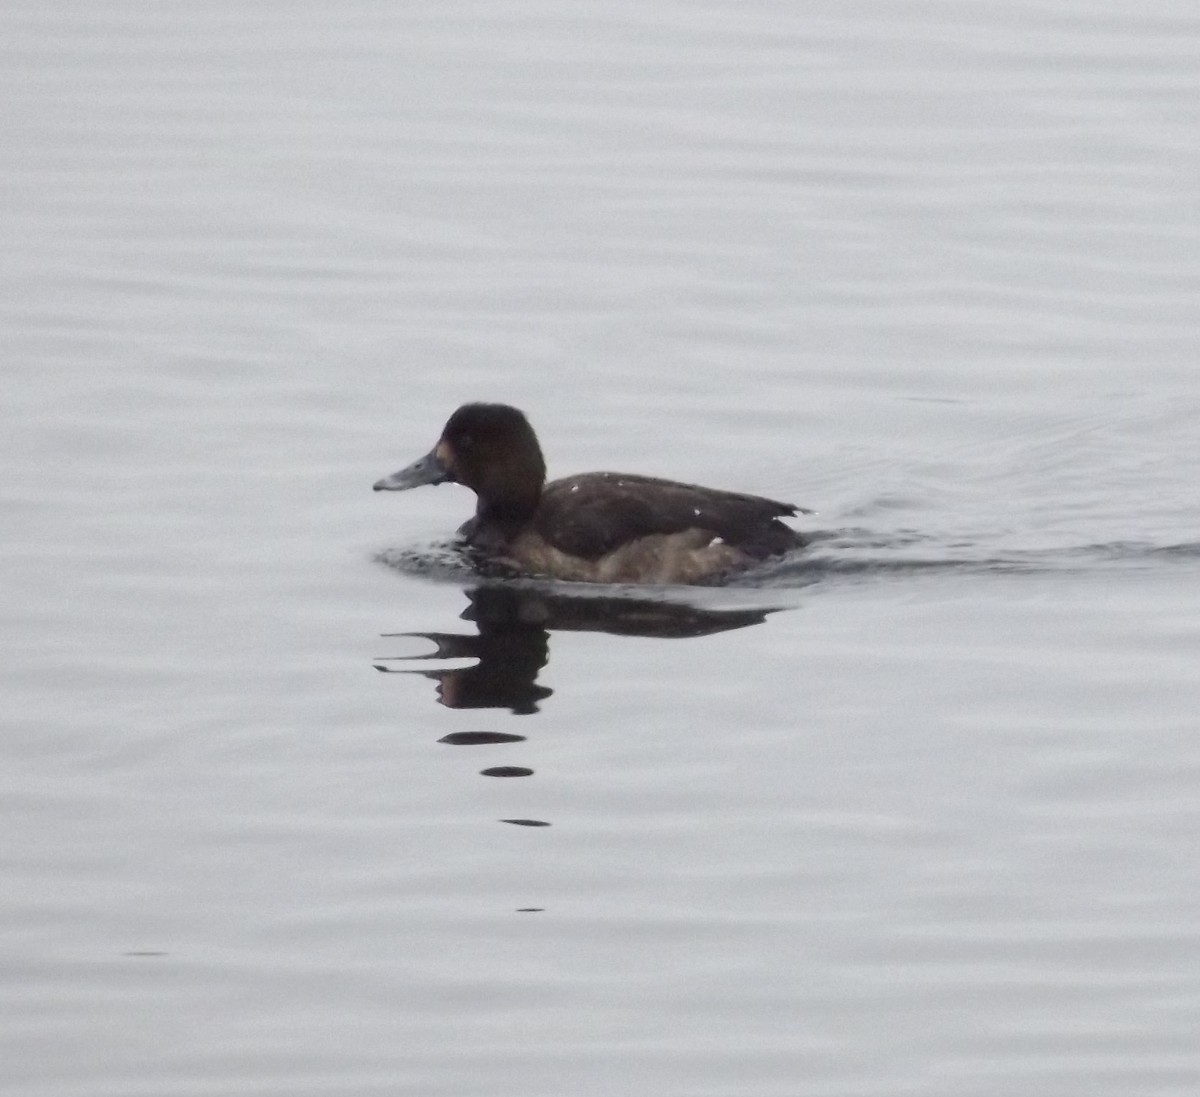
point(489, 448)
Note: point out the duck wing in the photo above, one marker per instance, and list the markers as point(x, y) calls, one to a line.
point(592, 514)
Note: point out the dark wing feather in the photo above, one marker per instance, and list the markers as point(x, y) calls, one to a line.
point(592, 514)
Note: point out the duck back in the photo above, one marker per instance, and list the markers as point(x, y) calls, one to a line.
point(597, 513)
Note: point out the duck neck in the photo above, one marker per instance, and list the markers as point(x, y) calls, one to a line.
point(509, 492)
point(510, 510)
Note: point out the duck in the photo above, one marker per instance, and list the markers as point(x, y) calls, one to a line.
point(595, 527)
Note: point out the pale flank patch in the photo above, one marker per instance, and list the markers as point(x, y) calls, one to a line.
point(686, 557)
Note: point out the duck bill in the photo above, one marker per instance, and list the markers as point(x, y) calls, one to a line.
point(430, 469)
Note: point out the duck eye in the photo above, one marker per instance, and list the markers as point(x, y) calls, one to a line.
point(466, 441)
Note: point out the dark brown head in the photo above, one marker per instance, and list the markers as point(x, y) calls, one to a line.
point(490, 448)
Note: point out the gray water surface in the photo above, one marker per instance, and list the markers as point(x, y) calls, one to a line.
point(914, 813)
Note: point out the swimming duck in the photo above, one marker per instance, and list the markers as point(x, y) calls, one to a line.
point(602, 527)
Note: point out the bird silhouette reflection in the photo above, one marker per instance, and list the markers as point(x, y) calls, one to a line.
point(511, 643)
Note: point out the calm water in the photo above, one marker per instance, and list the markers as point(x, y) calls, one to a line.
point(918, 813)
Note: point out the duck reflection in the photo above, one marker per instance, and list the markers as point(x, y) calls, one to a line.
point(509, 646)
point(512, 641)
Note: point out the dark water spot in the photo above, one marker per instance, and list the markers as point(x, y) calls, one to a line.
point(530, 910)
point(506, 771)
point(476, 738)
point(526, 822)
point(144, 953)
point(1137, 550)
